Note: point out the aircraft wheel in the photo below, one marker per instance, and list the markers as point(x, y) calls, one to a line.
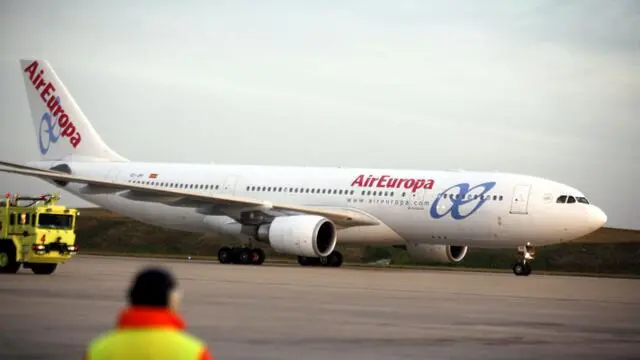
point(521, 268)
point(334, 259)
point(243, 256)
point(303, 261)
point(257, 256)
point(225, 255)
point(309, 261)
point(526, 254)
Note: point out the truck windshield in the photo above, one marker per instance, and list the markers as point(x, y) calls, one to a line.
point(55, 221)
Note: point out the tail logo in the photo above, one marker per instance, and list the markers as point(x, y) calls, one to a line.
point(56, 116)
point(462, 198)
point(48, 131)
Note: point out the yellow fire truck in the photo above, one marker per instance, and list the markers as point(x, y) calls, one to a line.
point(36, 233)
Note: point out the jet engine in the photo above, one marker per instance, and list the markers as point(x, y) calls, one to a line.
point(445, 254)
point(301, 235)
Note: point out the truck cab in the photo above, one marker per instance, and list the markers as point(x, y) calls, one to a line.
point(36, 233)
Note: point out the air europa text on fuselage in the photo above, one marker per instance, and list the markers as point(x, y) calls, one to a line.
point(48, 95)
point(389, 182)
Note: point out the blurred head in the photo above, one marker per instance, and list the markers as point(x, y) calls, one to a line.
point(154, 287)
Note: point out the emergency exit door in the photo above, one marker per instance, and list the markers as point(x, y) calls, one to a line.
point(520, 200)
point(112, 175)
point(229, 186)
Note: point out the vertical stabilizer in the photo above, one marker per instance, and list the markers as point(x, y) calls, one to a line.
point(62, 130)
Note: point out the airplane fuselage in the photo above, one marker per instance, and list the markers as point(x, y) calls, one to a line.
point(475, 209)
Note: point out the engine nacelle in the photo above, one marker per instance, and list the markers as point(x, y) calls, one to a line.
point(445, 254)
point(302, 235)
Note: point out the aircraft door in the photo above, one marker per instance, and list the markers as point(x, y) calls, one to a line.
point(520, 200)
point(112, 175)
point(417, 199)
point(229, 186)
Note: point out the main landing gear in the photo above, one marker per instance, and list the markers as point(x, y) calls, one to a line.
point(241, 255)
point(250, 256)
point(332, 260)
point(526, 254)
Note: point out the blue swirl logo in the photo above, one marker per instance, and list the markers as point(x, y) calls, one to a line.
point(49, 130)
point(457, 201)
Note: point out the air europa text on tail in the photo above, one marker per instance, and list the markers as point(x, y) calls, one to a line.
point(48, 95)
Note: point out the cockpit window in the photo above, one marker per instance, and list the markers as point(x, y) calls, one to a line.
point(568, 199)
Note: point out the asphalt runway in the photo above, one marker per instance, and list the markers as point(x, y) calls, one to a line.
point(274, 312)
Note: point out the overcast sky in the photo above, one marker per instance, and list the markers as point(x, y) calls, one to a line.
point(547, 88)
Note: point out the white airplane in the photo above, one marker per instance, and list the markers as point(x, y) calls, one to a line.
point(303, 211)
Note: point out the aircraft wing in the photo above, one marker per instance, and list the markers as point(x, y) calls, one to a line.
point(19, 166)
point(233, 206)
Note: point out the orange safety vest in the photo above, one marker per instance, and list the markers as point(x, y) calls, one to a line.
point(147, 333)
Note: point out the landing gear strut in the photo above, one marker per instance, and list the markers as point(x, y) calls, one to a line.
point(332, 260)
point(241, 255)
point(526, 253)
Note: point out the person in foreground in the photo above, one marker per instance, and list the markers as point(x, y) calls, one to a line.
point(150, 327)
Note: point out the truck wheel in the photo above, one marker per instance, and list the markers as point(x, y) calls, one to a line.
point(8, 263)
point(43, 269)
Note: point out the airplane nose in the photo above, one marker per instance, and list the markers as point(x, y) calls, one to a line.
point(598, 217)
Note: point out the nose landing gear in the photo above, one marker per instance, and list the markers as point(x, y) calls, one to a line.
point(526, 254)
